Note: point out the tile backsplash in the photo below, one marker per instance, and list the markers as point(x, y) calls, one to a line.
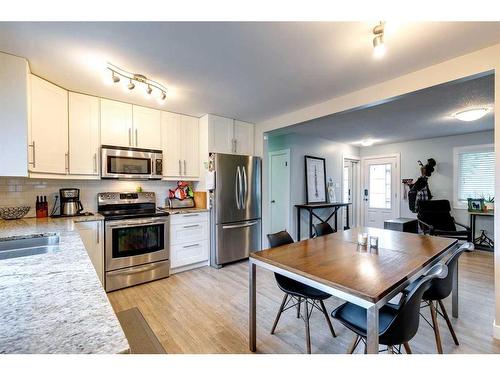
point(23, 191)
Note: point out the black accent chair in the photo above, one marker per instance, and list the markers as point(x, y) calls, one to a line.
point(322, 229)
point(397, 323)
point(435, 219)
point(439, 290)
point(296, 293)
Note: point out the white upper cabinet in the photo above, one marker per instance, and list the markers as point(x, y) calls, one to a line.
point(116, 123)
point(48, 128)
point(180, 140)
point(228, 136)
point(243, 138)
point(147, 127)
point(83, 134)
point(14, 115)
point(190, 139)
point(170, 136)
point(220, 134)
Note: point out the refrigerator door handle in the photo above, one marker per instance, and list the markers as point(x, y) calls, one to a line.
point(245, 189)
point(237, 184)
point(240, 225)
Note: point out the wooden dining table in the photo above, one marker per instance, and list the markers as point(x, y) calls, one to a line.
point(367, 277)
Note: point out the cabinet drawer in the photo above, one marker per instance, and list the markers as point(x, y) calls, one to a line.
point(188, 253)
point(188, 232)
point(189, 218)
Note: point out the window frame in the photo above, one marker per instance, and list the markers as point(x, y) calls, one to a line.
point(456, 152)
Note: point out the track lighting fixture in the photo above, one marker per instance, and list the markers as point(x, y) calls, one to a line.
point(378, 40)
point(134, 78)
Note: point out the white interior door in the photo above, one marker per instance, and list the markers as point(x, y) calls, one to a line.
point(380, 190)
point(279, 172)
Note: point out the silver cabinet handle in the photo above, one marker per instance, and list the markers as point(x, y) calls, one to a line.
point(245, 189)
point(136, 138)
point(188, 246)
point(33, 162)
point(66, 161)
point(130, 136)
point(180, 168)
point(191, 226)
point(95, 162)
point(240, 225)
point(185, 171)
point(237, 184)
point(190, 215)
point(98, 232)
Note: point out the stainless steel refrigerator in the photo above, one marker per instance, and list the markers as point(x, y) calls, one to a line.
point(235, 202)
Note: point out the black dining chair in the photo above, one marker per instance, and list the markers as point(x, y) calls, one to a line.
point(398, 323)
point(439, 290)
point(297, 293)
point(322, 229)
point(434, 217)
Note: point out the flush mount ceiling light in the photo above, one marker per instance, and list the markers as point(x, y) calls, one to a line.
point(367, 142)
point(471, 114)
point(136, 80)
point(378, 40)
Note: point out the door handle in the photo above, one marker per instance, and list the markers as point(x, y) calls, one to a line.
point(188, 246)
point(130, 136)
point(245, 189)
point(185, 170)
point(95, 162)
point(33, 162)
point(136, 138)
point(191, 226)
point(273, 201)
point(180, 167)
point(240, 225)
point(66, 161)
point(237, 181)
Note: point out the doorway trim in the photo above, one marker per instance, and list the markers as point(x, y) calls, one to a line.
point(347, 157)
point(270, 154)
point(396, 155)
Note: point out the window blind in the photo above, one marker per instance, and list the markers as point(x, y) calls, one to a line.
point(476, 174)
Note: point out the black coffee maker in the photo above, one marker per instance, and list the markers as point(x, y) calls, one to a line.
point(70, 202)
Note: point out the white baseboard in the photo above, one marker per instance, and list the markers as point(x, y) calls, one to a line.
point(189, 267)
point(496, 331)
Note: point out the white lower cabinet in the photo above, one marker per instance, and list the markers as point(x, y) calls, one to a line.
point(92, 235)
point(189, 241)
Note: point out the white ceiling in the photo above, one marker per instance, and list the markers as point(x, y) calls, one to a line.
point(418, 115)
point(248, 70)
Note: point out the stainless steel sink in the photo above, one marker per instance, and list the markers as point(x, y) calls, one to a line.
point(28, 246)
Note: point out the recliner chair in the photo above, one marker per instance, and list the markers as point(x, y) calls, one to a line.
point(435, 219)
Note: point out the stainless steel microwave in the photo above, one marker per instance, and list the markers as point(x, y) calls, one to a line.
point(131, 163)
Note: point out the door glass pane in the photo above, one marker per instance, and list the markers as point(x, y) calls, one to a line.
point(137, 240)
point(127, 165)
point(380, 186)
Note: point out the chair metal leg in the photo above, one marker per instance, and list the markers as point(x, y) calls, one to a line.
point(448, 322)
point(279, 313)
point(298, 307)
point(306, 320)
point(390, 349)
point(325, 313)
point(435, 327)
point(354, 344)
point(407, 348)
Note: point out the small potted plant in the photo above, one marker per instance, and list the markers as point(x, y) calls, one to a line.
point(489, 203)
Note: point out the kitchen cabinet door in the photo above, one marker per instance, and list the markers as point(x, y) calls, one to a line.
point(189, 140)
point(147, 127)
point(221, 134)
point(49, 128)
point(83, 134)
point(116, 123)
point(170, 136)
point(92, 235)
point(243, 137)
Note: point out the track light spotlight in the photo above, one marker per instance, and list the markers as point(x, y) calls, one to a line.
point(115, 77)
point(131, 85)
point(149, 90)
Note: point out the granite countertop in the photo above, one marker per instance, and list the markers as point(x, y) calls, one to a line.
point(54, 302)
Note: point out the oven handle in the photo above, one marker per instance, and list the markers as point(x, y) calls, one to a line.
point(135, 224)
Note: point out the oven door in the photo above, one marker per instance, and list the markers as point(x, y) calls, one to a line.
point(134, 242)
point(118, 162)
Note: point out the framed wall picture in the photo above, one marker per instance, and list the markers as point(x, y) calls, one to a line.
point(475, 205)
point(315, 179)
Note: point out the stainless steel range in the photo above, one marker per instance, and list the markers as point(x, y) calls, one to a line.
point(136, 239)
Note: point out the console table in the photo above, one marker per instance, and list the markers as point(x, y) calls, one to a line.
point(316, 206)
point(483, 242)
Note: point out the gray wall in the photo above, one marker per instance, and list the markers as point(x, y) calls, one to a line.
point(441, 181)
point(300, 146)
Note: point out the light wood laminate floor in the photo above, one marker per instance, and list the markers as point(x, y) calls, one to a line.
point(206, 311)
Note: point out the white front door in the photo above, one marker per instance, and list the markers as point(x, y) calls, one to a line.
point(380, 190)
point(279, 171)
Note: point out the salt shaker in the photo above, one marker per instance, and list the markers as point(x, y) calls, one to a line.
point(374, 241)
